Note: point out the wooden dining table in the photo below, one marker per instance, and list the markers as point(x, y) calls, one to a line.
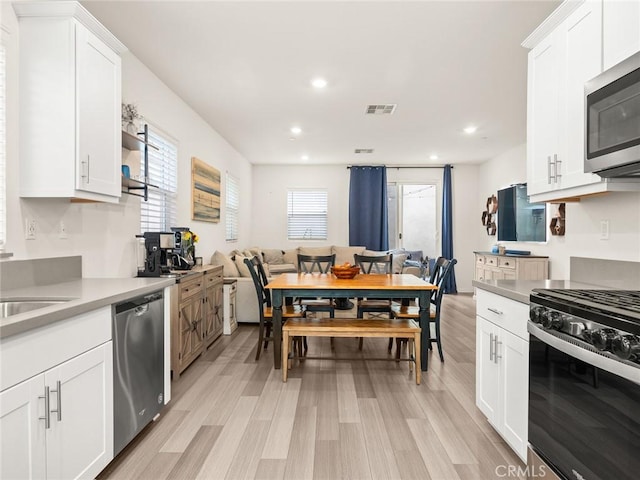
point(400, 286)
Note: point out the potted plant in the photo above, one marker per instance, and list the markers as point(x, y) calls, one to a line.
point(129, 116)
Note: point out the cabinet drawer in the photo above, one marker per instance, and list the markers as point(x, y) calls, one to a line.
point(492, 261)
point(211, 279)
point(504, 312)
point(506, 262)
point(190, 288)
point(480, 259)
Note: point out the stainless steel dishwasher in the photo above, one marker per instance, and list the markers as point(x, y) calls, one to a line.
point(138, 365)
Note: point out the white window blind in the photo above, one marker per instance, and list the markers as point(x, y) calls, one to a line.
point(158, 213)
point(3, 150)
point(307, 214)
point(232, 208)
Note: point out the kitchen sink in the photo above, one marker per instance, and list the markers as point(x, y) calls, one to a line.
point(13, 307)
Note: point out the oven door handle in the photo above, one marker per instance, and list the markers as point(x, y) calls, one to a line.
point(593, 358)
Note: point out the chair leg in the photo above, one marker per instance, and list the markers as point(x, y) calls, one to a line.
point(438, 342)
point(360, 343)
point(390, 344)
point(260, 339)
point(266, 342)
point(411, 353)
point(306, 346)
point(285, 355)
point(416, 340)
point(398, 348)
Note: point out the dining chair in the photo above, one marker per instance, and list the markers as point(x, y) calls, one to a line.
point(259, 278)
point(317, 264)
point(439, 275)
point(380, 264)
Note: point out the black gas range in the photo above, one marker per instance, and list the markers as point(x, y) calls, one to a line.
point(608, 320)
point(584, 382)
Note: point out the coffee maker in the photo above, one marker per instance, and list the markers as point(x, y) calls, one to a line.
point(156, 254)
point(183, 254)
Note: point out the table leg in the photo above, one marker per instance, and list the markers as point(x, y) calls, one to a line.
point(276, 302)
point(425, 336)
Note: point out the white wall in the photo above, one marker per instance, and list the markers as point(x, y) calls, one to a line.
point(270, 183)
point(104, 234)
point(582, 236)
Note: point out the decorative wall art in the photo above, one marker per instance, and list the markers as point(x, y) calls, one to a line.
point(488, 219)
point(557, 224)
point(205, 192)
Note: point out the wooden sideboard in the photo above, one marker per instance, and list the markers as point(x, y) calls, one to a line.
point(491, 266)
point(196, 315)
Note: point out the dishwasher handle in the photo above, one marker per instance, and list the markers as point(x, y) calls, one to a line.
point(139, 305)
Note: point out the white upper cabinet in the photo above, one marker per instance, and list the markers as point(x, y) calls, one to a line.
point(621, 30)
point(567, 51)
point(70, 101)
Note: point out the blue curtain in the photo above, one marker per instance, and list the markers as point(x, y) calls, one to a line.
point(447, 228)
point(368, 216)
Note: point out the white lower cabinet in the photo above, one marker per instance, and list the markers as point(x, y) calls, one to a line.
point(502, 367)
point(59, 424)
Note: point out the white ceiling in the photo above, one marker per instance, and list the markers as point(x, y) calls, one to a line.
point(246, 68)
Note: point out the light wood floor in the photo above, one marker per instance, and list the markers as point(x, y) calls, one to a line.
point(232, 417)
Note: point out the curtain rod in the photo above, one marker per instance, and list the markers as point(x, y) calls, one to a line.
point(399, 166)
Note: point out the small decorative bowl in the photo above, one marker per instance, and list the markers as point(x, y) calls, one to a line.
point(345, 272)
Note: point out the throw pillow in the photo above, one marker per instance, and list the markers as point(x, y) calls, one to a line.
point(273, 256)
point(242, 267)
point(256, 251)
point(291, 256)
point(345, 254)
point(313, 251)
point(229, 268)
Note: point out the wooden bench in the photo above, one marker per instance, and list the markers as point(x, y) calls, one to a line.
point(350, 327)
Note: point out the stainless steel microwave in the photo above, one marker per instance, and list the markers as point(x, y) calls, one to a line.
point(612, 121)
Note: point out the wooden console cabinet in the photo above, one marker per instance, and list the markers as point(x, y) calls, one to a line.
point(491, 266)
point(196, 315)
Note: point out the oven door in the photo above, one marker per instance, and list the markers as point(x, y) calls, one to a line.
point(584, 415)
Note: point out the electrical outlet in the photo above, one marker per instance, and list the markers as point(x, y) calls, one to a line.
point(30, 228)
point(62, 231)
point(604, 229)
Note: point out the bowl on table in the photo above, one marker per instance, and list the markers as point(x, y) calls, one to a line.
point(345, 271)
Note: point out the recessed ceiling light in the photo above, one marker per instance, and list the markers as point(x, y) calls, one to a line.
point(305, 157)
point(319, 82)
point(433, 157)
point(470, 129)
point(296, 130)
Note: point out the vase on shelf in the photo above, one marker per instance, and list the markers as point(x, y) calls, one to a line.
point(130, 127)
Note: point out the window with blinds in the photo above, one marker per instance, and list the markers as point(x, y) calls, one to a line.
point(232, 208)
point(158, 213)
point(3, 150)
point(307, 214)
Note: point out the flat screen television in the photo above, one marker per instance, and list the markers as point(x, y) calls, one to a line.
point(519, 220)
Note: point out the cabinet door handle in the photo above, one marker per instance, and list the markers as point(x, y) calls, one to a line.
point(497, 312)
point(58, 409)
point(549, 169)
point(47, 414)
point(490, 346)
point(557, 164)
point(495, 349)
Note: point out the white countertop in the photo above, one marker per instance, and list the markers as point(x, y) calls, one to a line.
point(519, 290)
point(86, 294)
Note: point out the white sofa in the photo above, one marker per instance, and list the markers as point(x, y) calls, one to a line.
point(283, 261)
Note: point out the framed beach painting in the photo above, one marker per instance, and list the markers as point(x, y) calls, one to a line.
point(205, 192)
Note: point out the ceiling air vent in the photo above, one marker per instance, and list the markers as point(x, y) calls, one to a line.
point(381, 109)
point(363, 150)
